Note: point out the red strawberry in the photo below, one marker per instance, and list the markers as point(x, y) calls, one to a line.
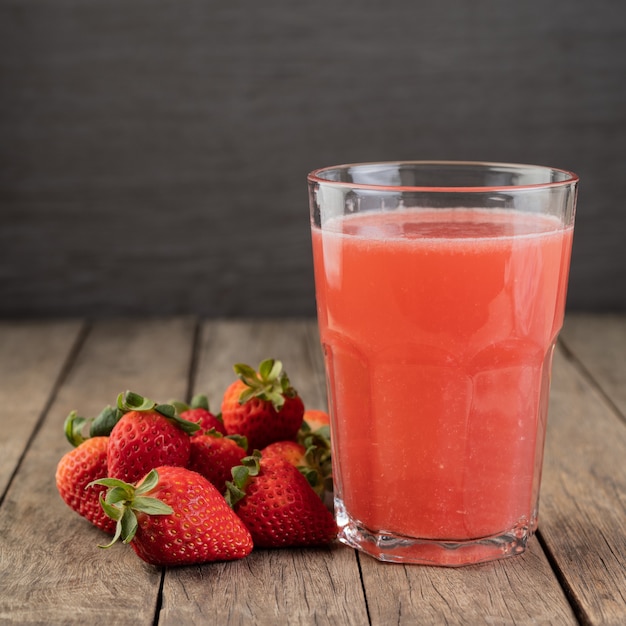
point(147, 436)
point(262, 406)
point(175, 517)
point(77, 469)
point(214, 455)
point(310, 455)
point(278, 506)
point(199, 413)
point(291, 451)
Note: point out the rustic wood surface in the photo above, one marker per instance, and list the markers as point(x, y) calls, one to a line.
point(51, 571)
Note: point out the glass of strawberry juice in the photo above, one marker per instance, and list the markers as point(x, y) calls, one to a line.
point(440, 292)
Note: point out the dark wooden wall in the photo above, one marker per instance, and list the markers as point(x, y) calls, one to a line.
point(153, 154)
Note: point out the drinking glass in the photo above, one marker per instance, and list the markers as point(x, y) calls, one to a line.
point(440, 290)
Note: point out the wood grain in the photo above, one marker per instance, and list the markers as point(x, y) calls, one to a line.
point(521, 590)
point(299, 587)
point(598, 343)
point(51, 570)
point(282, 586)
point(33, 356)
point(583, 501)
point(226, 342)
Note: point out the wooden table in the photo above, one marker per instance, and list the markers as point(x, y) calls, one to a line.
point(51, 571)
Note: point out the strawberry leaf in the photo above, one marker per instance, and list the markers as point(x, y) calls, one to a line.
point(180, 406)
point(111, 510)
point(115, 495)
point(270, 383)
point(311, 475)
point(130, 401)
point(236, 489)
point(128, 524)
point(240, 474)
point(116, 514)
point(216, 434)
point(200, 401)
point(233, 494)
point(110, 482)
point(248, 394)
point(148, 483)
point(73, 427)
point(124, 500)
point(253, 462)
point(104, 422)
point(240, 440)
point(169, 411)
point(270, 369)
point(246, 373)
point(151, 506)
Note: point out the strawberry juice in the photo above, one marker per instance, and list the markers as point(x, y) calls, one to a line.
point(438, 328)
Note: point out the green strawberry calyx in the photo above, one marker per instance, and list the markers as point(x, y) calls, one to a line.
point(242, 475)
point(318, 454)
point(199, 401)
point(240, 440)
point(123, 501)
point(75, 426)
point(270, 383)
point(130, 401)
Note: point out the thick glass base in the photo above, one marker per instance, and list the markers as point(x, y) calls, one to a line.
point(394, 548)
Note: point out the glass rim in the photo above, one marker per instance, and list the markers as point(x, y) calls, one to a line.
point(569, 177)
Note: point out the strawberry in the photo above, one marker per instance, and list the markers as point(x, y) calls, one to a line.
point(278, 506)
point(174, 516)
point(262, 406)
point(296, 454)
point(316, 419)
point(146, 436)
point(310, 455)
point(199, 412)
point(213, 456)
point(76, 469)
point(291, 451)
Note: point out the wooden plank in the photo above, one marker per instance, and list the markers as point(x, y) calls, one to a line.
point(32, 356)
point(51, 570)
point(583, 501)
point(271, 586)
point(520, 590)
point(312, 586)
point(226, 342)
point(599, 343)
